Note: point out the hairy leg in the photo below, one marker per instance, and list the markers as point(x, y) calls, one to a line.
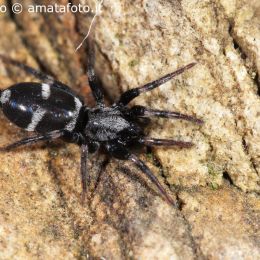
point(142, 166)
point(141, 111)
point(33, 139)
point(37, 74)
point(92, 78)
point(83, 170)
point(135, 92)
point(164, 142)
point(120, 152)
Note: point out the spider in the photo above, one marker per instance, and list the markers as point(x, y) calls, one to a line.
point(53, 110)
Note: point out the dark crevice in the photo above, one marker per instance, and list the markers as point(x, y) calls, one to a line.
point(239, 49)
point(248, 154)
point(235, 42)
point(227, 177)
point(244, 145)
point(257, 82)
point(195, 247)
point(243, 55)
point(180, 203)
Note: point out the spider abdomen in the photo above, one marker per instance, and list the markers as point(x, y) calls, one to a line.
point(40, 107)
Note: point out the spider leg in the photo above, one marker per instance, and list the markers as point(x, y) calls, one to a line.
point(33, 139)
point(38, 74)
point(83, 169)
point(133, 93)
point(142, 166)
point(142, 111)
point(164, 142)
point(92, 78)
point(118, 151)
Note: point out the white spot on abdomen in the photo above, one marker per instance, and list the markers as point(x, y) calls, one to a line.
point(71, 125)
point(5, 96)
point(46, 91)
point(36, 118)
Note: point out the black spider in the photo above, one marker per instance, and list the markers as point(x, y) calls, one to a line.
point(54, 111)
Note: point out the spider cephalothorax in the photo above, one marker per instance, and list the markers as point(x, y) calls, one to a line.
point(54, 111)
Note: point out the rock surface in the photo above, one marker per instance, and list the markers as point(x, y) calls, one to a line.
point(216, 183)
